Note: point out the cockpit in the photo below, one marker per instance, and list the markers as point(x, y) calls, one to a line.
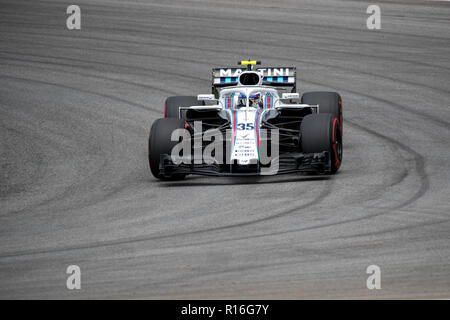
point(253, 98)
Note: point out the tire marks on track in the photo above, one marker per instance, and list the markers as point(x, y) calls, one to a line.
point(323, 194)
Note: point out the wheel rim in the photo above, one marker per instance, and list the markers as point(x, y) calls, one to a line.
point(337, 148)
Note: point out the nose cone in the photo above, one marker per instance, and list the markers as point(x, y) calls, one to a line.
point(245, 137)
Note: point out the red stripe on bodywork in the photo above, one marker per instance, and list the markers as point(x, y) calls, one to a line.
point(234, 129)
point(257, 128)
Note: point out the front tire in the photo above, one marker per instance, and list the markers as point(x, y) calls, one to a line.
point(159, 142)
point(319, 133)
point(329, 102)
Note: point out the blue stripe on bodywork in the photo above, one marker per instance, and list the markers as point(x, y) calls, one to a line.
point(257, 130)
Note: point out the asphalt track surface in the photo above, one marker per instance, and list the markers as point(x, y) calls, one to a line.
point(75, 188)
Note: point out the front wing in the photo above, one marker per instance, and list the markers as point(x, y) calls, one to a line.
point(287, 163)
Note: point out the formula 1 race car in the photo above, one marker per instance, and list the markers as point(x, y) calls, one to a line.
point(245, 128)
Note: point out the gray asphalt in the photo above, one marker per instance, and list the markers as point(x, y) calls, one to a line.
point(75, 188)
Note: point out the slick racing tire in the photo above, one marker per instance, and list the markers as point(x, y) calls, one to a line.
point(319, 133)
point(159, 142)
point(329, 102)
point(173, 104)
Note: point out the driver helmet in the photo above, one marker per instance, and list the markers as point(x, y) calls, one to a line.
point(255, 100)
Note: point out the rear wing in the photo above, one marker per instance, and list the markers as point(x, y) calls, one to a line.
point(272, 76)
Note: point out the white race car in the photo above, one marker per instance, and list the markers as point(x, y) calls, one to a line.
point(246, 128)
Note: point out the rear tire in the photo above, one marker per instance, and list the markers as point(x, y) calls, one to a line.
point(173, 104)
point(319, 133)
point(329, 102)
point(159, 142)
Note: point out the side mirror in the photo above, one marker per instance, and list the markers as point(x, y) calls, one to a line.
point(206, 97)
point(287, 95)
